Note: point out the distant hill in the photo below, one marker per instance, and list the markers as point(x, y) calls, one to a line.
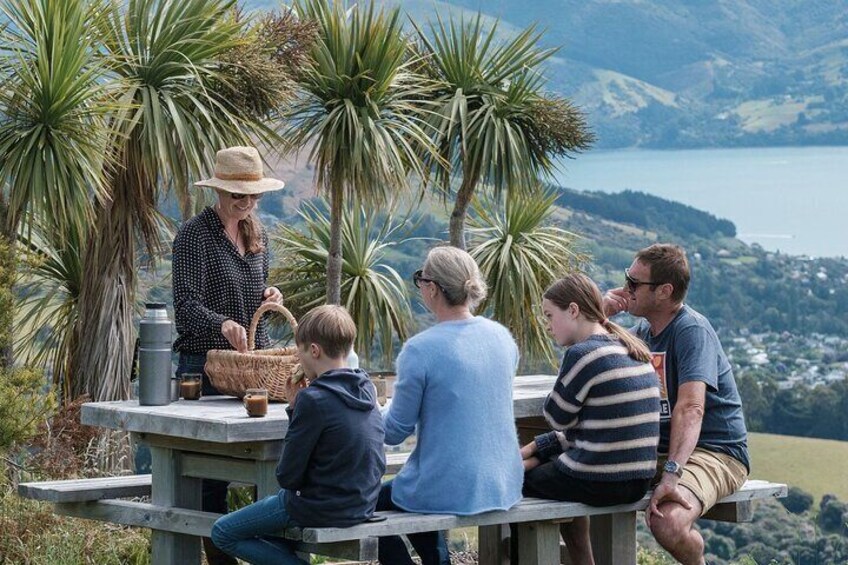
point(687, 73)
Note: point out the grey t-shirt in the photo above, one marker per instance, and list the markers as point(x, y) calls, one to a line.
point(688, 350)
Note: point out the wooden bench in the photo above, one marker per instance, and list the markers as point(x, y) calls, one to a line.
point(127, 486)
point(613, 528)
point(82, 490)
point(538, 524)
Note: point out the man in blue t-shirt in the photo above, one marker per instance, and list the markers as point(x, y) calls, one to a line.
point(703, 440)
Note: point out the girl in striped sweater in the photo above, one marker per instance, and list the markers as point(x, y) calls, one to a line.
point(604, 412)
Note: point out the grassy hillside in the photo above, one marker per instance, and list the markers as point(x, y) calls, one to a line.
point(817, 466)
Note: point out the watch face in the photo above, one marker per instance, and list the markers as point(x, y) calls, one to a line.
point(671, 467)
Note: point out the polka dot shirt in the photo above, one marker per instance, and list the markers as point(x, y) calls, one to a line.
point(213, 283)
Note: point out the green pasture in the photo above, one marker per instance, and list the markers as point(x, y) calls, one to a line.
point(818, 466)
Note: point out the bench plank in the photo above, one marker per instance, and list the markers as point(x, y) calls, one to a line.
point(528, 510)
point(193, 523)
point(736, 512)
point(394, 461)
point(80, 490)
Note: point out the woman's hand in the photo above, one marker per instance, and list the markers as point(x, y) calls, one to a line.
point(235, 334)
point(529, 450)
point(272, 294)
point(531, 463)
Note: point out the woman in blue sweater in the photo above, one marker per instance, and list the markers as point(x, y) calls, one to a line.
point(455, 385)
point(604, 410)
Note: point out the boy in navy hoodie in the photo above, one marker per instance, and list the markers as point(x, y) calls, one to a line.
point(332, 461)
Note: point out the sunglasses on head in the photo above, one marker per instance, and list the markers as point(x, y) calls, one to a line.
point(418, 278)
point(632, 284)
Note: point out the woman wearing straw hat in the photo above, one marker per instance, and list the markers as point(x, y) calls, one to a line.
point(220, 274)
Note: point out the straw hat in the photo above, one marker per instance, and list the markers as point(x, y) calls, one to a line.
point(239, 170)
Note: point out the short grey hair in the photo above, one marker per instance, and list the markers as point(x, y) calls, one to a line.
point(458, 274)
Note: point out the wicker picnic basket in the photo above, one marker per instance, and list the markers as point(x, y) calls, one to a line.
point(233, 373)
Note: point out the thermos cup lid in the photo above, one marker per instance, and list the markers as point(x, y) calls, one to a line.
point(155, 305)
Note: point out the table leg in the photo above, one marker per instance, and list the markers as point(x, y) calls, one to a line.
point(170, 488)
point(614, 538)
point(266, 480)
point(538, 542)
point(493, 544)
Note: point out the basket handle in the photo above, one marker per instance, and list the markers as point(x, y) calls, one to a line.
point(267, 307)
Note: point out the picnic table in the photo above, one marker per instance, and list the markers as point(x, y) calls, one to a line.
point(213, 438)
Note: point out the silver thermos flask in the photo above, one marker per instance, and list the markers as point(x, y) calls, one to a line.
point(154, 356)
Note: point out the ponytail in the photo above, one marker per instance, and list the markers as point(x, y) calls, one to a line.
point(636, 348)
point(583, 291)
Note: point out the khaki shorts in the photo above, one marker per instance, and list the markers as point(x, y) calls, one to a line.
point(709, 475)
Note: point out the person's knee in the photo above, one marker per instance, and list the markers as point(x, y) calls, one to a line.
point(221, 537)
point(672, 526)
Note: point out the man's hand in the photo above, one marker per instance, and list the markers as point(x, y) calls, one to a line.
point(272, 294)
point(235, 334)
point(615, 301)
point(666, 491)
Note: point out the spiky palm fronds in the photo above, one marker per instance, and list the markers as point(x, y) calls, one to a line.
point(53, 117)
point(494, 123)
point(360, 110)
point(372, 291)
point(48, 310)
point(520, 254)
point(168, 60)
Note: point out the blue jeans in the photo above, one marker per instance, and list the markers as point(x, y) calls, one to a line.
point(249, 533)
point(430, 546)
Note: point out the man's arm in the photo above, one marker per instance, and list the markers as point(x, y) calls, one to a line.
point(686, 419)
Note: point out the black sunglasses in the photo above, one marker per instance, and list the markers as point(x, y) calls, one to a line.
point(632, 284)
point(417, 279)
point(237, 196)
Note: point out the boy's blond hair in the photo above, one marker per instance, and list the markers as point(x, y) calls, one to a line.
point(329, 326)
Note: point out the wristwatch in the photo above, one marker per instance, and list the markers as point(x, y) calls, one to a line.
point(673, 467)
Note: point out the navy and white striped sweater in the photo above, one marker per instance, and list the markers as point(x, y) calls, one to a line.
point(604, 410)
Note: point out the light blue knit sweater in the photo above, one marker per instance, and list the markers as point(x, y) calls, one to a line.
point(455, 384)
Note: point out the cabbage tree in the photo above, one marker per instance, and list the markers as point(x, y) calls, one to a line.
point(494, 122)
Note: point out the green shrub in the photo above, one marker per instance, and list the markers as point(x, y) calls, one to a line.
point(797, 500)
point(24, 404)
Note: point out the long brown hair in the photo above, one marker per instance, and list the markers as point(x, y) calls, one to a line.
point(581, 290)
point(250, 230)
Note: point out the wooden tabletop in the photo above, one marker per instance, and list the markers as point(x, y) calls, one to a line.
point(223, 418)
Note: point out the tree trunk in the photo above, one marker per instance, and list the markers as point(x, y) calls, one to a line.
point(460, 210)
point(334, 258)
point(106, 337)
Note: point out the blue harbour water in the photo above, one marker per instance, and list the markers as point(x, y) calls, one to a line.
point(791, 199)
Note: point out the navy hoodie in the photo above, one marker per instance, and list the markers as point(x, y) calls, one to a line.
point(333, 460)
